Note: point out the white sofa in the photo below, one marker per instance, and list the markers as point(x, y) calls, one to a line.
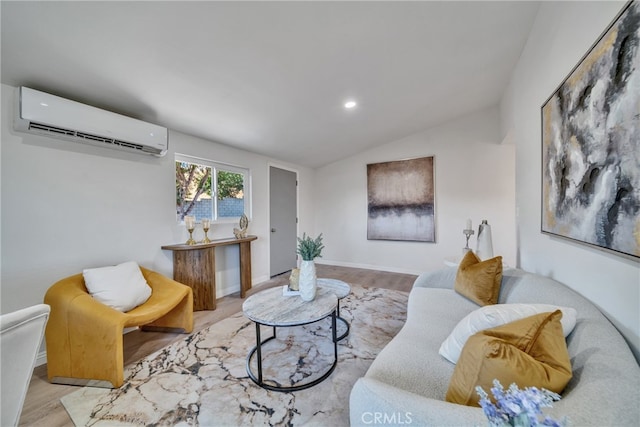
point(407, 382)
point(21, 333)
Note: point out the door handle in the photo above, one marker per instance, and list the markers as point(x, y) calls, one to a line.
point(273, 230)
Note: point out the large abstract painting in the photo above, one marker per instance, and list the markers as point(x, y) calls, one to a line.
point(401, 196)
point(591, 144)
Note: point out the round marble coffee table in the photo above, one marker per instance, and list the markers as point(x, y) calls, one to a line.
point(342, 290)
point(271, 308)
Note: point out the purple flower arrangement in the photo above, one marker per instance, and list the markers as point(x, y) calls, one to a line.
point(516, 407)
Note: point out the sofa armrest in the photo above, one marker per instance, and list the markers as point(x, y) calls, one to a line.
point(375, 403)
point(443, 278)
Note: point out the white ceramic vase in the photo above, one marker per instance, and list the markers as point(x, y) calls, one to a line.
point(484, 250)
point(307, 281)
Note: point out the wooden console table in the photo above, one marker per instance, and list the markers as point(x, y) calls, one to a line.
point(195, 266)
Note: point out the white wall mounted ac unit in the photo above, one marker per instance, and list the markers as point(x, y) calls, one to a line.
point(45, 114)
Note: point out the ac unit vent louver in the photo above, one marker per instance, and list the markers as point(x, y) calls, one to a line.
point(94, 138)
point(49, 115)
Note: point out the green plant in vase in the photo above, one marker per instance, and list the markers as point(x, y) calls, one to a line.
point(308, 249)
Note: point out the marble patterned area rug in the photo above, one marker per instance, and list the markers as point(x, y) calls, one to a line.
point(202, 380)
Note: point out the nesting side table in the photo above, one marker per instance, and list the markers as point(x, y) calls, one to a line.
point(341, 290)
point(271, 308)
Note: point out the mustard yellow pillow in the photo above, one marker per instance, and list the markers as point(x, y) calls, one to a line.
point(479, 280)
point(530, 352)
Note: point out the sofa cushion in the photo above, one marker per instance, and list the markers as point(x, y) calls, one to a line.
point(529, 352)
point(479, 280)
point(121, 287)
point(490, 316)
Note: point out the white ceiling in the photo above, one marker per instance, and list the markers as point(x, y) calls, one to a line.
point(271, 77)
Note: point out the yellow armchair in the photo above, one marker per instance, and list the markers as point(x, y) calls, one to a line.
point(84, 337)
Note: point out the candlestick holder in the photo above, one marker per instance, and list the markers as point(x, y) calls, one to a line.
point(190, 224)
point(191, 241)
point(468, 233)
point(205, 227)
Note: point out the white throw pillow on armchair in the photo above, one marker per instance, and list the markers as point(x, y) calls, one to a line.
point(121, 286)
point(491, 316)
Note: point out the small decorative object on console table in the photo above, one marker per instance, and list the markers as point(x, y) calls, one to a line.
point(517, 407)
point(308, 249)
point(206, 224)
point(241, 233)
point(468, 232)
point(190, 224)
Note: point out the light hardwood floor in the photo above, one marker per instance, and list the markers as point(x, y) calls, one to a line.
point(42, 405)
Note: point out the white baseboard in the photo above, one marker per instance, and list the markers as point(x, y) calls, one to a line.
point(230, 288)
point(260, 279)
point(368, 266)
point(41, 358)
point(227, 289)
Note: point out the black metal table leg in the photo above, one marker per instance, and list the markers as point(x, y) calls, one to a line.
point(259, 348)
point(346, 324)
point(258, 351)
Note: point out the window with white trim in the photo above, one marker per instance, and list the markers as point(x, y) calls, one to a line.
point(208, 189)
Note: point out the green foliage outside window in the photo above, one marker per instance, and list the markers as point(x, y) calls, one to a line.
point(193, 181)
point(230, 184)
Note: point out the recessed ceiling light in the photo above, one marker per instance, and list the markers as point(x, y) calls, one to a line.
point(350, 104)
